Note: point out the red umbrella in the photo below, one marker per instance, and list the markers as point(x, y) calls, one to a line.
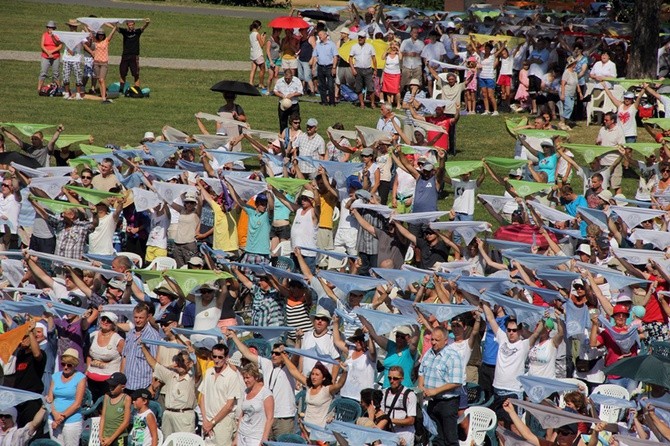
point(523, 233)
point(288, 22)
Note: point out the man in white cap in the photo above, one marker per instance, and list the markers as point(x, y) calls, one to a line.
point(287, 88)
point(320, 338)
point(310, 144)
point(363, 61)
point(11, 434)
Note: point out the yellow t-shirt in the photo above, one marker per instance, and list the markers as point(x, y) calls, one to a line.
point(326, 211)
point(225, 230)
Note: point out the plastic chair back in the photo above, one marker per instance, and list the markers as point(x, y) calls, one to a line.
point(345, 410)
point(94, 436)
point(135, 258)
point(184, 439)
point(162, 264)
point(607, 413)
point(482, 420)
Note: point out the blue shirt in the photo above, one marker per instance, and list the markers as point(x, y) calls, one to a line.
point(137, 369)
point(547, 164)
point(425, 195)
point(325, 52)
point(258, 239)
point(571, 209)
point(490, 348)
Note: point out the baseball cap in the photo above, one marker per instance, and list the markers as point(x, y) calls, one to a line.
point(110, 315)
point(354, 183)
point(629, 95)
point(451, 25)
point(308, 194)
point(11, 411)
point(168, 317)
point(141, 393)
point(206, 343)
point(428, 167)
point(367, 152)
point(116, 379)
point(322, 313)
point(622, 298)
point(547, 143)
point(118, 284)
point(362, 34)
point(311, 122)
point(362, 193)
point(190, 196)
point(584, 248)
point(620, 309)
point(404, 329)
point(196, 261)
point(211, 285)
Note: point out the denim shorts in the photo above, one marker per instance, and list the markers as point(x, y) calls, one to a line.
point(487, 83)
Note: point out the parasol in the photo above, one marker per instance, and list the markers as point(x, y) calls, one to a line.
point(240, 88)
point(288, 22)
point(379, 45)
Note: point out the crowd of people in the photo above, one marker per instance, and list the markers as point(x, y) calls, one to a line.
point(85, 57)
point(330, 295)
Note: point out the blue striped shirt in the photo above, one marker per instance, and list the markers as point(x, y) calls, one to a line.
point(443, 367)
point(137, 369)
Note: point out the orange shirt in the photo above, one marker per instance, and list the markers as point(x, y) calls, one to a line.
point(101, 52)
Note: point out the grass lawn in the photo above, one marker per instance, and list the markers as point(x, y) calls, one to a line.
point(170, 34)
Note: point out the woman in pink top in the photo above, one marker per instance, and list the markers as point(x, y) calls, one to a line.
point(101, 59)
point(51, 47)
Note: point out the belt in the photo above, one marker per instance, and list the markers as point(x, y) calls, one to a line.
point(179, 410)
point(326, 66)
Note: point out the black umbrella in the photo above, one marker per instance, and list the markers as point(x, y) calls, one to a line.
point(236, 87)
point(315, 14)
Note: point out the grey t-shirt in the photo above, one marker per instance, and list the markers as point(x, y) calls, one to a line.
point(390, 248)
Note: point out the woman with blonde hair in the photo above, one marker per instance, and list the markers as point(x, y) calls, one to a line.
point(258, 407)
point(391, 74)
point(65, 398)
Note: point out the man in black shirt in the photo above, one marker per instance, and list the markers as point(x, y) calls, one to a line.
point(130, 57)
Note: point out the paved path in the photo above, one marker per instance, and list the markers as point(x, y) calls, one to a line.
point(154, 62)
point(159, 6)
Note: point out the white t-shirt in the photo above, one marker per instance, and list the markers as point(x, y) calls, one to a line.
point(488, 67)
point(158, 230)
point(399, 410)
point(510, 362)
point(409, 46)
point(406, 183)
point(542, 360)
point(363, 55)
point(464, 351)
point(281, 384)
point(627, 120)
point(324, 344)
point(100, 240)
point(507, 66)
point(464, 196)
point(361, 376)
point(10, 209)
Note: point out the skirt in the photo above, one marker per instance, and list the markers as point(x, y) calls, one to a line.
point(391, 83)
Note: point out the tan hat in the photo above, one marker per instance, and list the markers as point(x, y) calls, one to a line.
point(308, 194)
point(71, 353)
point(190, 196)
point(148, 136)
point(404, 329)
point(605, 195)
point(72, 22)
point(415, 82)
point(571, 61)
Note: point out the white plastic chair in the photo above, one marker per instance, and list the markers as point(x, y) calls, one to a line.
point(183, 439)
point(160, 438)
point(283, 249)
point(482, 420)
point(94, 438)
point(607, 413)
point(600, 102)
point(135, 258)
point(577, 382)
point(162, 264)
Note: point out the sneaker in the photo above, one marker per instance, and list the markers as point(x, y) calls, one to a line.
point(107, 101)
point(495, 113)
point(486, 113)
point(78, 97)
point(513, 107)
point(563, 126)
point(66, 95)
point(91, 91)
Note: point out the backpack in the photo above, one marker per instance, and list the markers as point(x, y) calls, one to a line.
point(421, 435)
point(50, 90)
point(134, 92)
point(347, 94)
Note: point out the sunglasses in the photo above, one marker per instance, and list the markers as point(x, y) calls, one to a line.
point(296, 122)
point(276, 353)
point(512, 330)
point(5, 415)
point(366, 156)
point(6, 185)
point(66, 364)
point(86, 178)
point(394, 378)
point(578, 287)
point(665, 170)
point(106, 320)
point(218, 357)
point(321, 319)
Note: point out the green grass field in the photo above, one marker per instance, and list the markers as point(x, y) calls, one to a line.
point(178, 94)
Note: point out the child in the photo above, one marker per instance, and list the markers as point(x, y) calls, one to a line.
point(115, 416)
point(471, 85)
point(506, 64)
point(522, 90)
point(145, 426)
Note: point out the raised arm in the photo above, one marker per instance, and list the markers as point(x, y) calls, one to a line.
point(405, 232)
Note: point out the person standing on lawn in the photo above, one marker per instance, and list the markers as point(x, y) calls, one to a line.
point(130, 57)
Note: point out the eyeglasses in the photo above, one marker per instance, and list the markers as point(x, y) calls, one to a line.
point(218, 357)
point(6, 185)
point(86, 178)
point(512, 330)
point(106, 320)
point(66, 364)
point(276, 353)
point(5, 415)
point(296, 122)
point(394, 378)
point(665, 170)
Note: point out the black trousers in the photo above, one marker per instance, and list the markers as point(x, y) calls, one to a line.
point(324, 74)
point(486, 373)
point(445, 415)
point(284, 115)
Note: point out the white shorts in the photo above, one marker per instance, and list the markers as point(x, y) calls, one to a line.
point(345, 240)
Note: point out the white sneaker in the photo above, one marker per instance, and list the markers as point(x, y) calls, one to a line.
point(486, 113)
point(66, 95)
point(78, 97)
point(495, 113)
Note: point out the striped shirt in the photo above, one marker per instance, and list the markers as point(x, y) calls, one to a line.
point(297, 316)
point(443, 367)
point(266, 307)
point(137, 369)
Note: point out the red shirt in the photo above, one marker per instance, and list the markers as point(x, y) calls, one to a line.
point(445, 123)
point(51, 44)
point(653, 310)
